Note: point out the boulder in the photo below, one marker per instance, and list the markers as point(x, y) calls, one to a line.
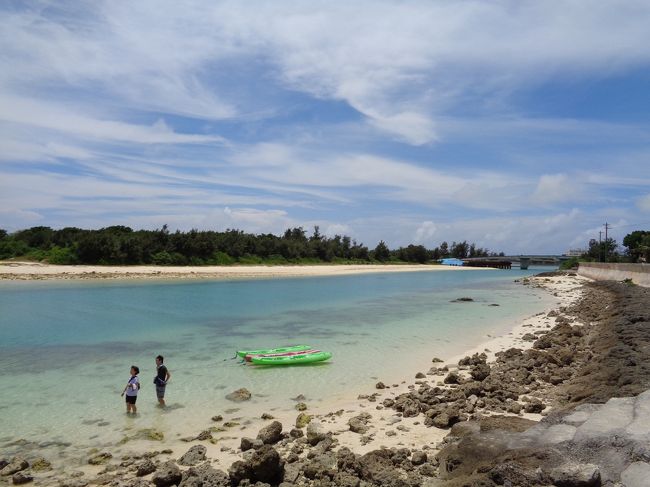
point(145, 468)
point(576, 475)
point(41, 465)
point(239, 395)
point(265, 465)
point(314, 434)
point(100, 458)
point(204, 476)
point(22, 477)
point(359, 424)
point(16, 465)
point(194, 455)
point(452, 378)
point(380, 385)
point(480, 372)
point(166, 475)
point(296, 433)
point(418, 458)
point(271, 433)
point(246, 443)
point(303, 420)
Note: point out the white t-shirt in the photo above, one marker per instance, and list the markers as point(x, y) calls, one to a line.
point(133, 386)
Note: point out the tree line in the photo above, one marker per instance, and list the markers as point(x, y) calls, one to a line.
point(637, 249)
point(121, 245)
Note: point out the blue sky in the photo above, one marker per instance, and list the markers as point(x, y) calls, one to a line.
point(520, 125)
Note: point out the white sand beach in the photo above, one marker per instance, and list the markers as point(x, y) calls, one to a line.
point(40, 271)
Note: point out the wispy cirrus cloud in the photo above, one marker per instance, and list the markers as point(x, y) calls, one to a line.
point(421, 115)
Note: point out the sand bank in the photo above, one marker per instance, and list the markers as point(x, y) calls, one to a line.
point(39, 271)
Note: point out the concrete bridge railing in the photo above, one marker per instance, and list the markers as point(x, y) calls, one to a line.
point(638, 273)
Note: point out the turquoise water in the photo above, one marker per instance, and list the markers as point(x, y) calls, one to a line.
point(66, 347)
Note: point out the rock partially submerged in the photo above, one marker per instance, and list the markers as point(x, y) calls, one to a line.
point(239, 395)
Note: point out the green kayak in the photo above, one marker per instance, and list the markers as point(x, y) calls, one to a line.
point(294, 348)
point(305, 358)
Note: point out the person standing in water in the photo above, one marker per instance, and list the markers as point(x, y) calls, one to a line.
point(131, 390)
point(161, 379)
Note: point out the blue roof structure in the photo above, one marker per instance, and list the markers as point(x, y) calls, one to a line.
point(451, 261)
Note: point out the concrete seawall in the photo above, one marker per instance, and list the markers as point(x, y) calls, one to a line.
point(639, 273)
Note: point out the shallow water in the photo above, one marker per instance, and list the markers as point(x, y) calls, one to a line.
point(66, 347)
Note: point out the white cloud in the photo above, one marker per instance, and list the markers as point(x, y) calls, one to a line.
point(399, 64)
point(556, 188)
point(643, 203)
point(425, 232)
point(52, 117)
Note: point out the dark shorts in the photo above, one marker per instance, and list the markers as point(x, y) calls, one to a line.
point(131, 399)
point(160, 392)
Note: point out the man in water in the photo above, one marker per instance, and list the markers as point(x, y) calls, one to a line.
point(161, 379)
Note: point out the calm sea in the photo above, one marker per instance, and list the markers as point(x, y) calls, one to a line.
point(66, 347)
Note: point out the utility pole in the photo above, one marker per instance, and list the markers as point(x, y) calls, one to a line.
point(600, 246)
point(606, 242)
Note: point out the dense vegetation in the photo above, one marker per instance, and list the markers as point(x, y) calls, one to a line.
point(122, 245)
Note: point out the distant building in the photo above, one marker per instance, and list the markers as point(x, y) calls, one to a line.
point(451, 261)
point(575, 252)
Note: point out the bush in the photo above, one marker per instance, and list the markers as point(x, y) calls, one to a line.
point(61, 255)
point(571, 263)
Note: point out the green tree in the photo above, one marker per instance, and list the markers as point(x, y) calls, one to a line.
point(638, 245)
point(381, 252)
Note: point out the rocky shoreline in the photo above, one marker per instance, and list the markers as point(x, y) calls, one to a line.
point(538, 414)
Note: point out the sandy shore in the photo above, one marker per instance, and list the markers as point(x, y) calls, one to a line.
point(39, 271)
point(377, 423)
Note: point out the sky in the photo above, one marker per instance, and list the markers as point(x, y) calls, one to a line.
point(520, 125)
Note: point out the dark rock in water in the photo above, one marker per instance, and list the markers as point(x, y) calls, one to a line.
point(145, 468)
point(436, 360)
point(299, 397)
point(301, 406)
point(462, 300)
point(204, 476)
point(271, 434)
point(239, 395)
point(267, 416)
point(218, 417)
point(420, 375)
point(380, 385)
point(194, 455)
point(16, 465)
point(265, 465)
point(41, 465)
point(22, 477)
point(100, 458)
point(167, 474)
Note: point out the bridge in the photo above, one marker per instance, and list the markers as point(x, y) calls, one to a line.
point(521, 261)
